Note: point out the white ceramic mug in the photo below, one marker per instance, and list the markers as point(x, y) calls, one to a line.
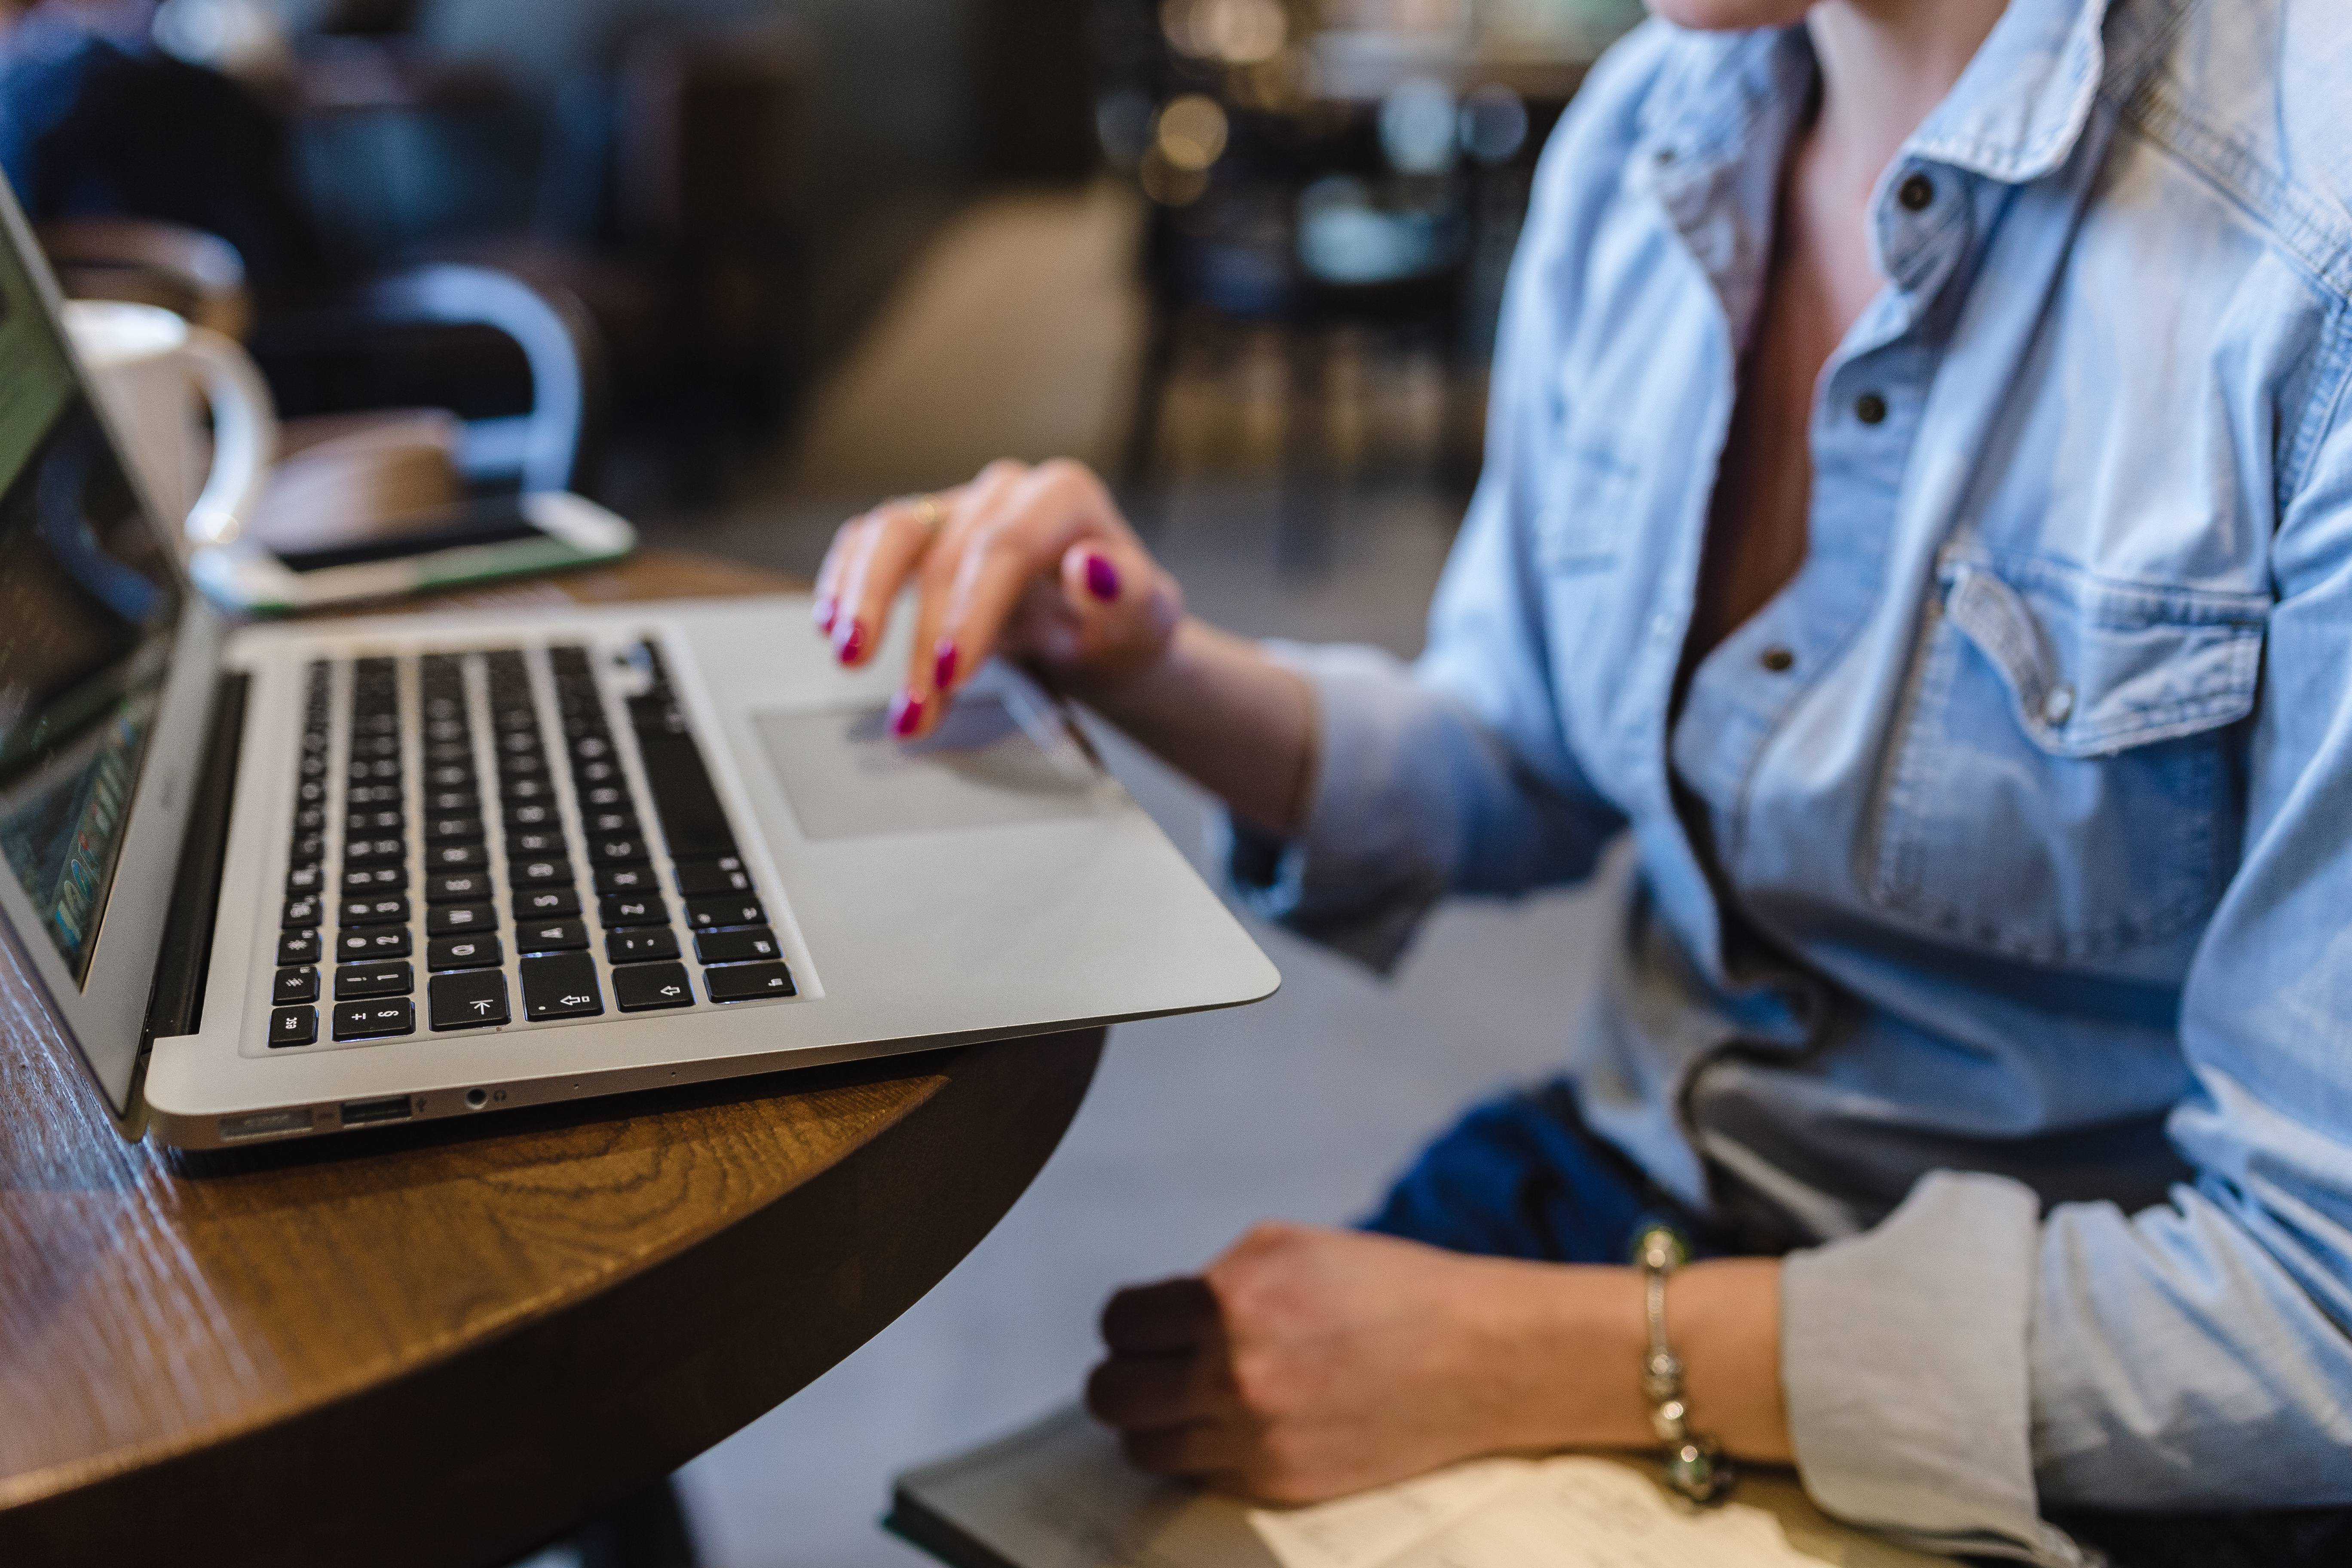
point(149, 367)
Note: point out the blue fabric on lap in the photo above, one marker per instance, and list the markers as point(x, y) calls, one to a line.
point(1522, 1176)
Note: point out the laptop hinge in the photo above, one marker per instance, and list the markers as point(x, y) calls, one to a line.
point(177, 1003)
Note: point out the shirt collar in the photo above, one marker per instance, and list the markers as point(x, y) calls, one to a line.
point(2015, 114)
point(2019, 107)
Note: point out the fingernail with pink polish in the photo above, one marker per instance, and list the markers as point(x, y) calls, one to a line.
point(906, 715)
point(943, 669)
point(1102, 579)
point(852, 642)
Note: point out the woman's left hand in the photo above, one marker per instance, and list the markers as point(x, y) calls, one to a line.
point(1308, 1362)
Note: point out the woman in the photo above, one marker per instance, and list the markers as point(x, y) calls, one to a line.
point(1918, 508)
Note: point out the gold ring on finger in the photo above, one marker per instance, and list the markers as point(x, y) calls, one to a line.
point(929, 509)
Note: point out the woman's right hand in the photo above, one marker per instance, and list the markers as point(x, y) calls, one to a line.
point(1034, 563)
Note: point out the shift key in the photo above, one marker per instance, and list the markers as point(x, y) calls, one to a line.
point(475, 999)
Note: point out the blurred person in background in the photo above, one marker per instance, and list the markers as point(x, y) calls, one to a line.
point(1918, 509)
point(97, 122)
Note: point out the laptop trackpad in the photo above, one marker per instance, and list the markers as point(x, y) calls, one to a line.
point(999, 758)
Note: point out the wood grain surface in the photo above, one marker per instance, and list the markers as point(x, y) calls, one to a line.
point(443, 1344)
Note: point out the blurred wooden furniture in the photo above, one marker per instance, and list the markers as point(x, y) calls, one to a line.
point(192, 274)
point(447, 1344)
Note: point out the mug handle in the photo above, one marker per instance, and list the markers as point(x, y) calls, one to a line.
point(245, 436)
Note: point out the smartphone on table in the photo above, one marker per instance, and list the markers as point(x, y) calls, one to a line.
point(503, 536)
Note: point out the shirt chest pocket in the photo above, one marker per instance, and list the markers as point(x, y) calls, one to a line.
point(2062, 786)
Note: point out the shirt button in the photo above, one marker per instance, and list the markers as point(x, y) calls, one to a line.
point(1870, 408)
point(1917, 193)
point(1776, 659)
point(2058, 705)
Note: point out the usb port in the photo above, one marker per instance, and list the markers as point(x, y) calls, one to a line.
point(359, 1112)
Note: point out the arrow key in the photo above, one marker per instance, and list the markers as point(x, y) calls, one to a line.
point(641, 987)
point(473, 1000)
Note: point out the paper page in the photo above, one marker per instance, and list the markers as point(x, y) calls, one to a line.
point(1057, 1494)
point(1563, 1512)
point(1369, 1528)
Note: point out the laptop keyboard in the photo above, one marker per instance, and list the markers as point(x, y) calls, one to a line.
point(455, 864)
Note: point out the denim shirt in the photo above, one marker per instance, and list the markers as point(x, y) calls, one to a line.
point(1999, 949)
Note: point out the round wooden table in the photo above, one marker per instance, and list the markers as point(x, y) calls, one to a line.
point(443, 1345)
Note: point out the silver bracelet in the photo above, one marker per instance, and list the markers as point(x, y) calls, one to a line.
point(1695, 1467)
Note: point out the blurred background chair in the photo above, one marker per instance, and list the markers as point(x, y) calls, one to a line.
point(398, 394)
point(1345, 179)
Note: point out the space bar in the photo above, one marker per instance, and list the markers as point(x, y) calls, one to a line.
point(692, 820)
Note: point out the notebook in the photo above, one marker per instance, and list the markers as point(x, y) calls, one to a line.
point(1057, 1494)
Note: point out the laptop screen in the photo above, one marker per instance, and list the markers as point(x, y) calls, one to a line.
point(88, 608)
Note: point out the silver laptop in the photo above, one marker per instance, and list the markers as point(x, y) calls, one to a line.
point(285, 881)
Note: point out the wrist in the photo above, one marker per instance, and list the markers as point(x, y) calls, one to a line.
point(1568, 1345)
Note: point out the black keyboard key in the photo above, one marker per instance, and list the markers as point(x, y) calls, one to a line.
point(293, 1026)
point(449, 776)
point(537, 844)
point(300, 912)
point(530, 765)
point(375, 1020)
point(471, 1001)
point(742, 981)
point(611, 821)
point(370, 851)
point(299, 947)
point(592, 744)
point(449, 753)
point(387, 796)
point(640, 946)
point(464, 952)
point(294, 986)
point(597, 773)
point(698, 878)
point(456, 858)
point(602, 796)
point(354, 981)
point(561, 986)
point(359, 824)
point(307, 849)
point(362, 881)
point(451, 829)
point(539, 873)
point(517, 790)
point(608, 851)
point(685, 804)
point(457, 920)
point(453, 802)
point(311, 819)
point(545, 903)
point(549, 936)
point(749, 944)
point(380, 941)
point(457, 887)
point(533, 813)
point(633, 910)
point(380, 911)
point(636, 878)
point(703, 914)
point(642, 987)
